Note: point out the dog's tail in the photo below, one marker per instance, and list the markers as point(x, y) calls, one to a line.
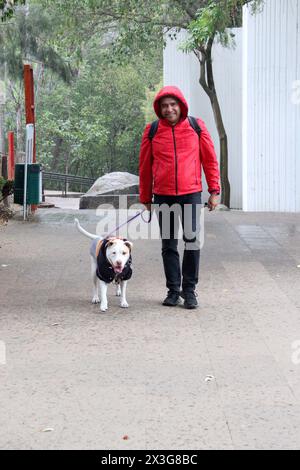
point(81, 229)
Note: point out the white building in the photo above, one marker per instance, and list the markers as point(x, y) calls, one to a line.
point(258, 85)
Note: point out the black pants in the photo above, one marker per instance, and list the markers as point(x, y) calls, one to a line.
point(187, 210)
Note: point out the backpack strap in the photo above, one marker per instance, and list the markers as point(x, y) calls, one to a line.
point(194, 124)
point(153, 129)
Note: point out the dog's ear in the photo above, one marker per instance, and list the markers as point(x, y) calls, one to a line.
point(128, 244)
point(109, 243)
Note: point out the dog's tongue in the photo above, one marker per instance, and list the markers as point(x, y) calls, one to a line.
point(118, 270)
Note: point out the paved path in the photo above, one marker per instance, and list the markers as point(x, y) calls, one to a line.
point(54, 197)
point(94, 378)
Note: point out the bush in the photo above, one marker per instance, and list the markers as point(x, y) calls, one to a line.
point(2, 183)
point(6, 187)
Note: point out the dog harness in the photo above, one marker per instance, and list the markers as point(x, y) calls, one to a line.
point(105, 271)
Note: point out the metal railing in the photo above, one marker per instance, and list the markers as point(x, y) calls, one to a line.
point(66, 179)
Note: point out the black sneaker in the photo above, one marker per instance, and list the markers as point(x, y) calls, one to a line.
point(172, 299)
point(190, 300)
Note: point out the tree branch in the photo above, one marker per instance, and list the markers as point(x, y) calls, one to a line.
point(193, 6)
point(183, 5)
point(143, 19)
point(12, 92)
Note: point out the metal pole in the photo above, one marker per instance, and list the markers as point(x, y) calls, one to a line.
point(29, 108)
point(28, 159)
point(25, 181)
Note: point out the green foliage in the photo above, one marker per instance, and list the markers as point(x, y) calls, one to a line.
point(6, 187)
point(95, 125)
point(7, 8)
point(2, 183)
point(210, 20)
point(92, 122)
point(214, 20)
point(148, 110)
point(27, 39)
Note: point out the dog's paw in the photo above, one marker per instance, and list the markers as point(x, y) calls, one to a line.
point(95, 300)
point(118, 291)
point(103, 307)
point(124, 304)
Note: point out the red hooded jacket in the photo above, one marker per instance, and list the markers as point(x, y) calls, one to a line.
point(171, 163)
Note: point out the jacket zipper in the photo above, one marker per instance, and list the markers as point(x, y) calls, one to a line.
point(176, 163)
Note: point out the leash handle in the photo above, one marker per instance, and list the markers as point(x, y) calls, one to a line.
point(149, 219)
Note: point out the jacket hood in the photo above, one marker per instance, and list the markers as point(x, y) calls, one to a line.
point(171, 91)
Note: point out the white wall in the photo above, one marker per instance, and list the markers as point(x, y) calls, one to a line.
point(177, 66)
point(183, 70)
point(271, 130)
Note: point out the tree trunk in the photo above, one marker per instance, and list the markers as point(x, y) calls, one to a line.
point(112, 159)
point(56, 153)
point(225, 196)
point(206, 80)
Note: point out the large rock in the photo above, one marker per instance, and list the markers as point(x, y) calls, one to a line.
point(107, 188)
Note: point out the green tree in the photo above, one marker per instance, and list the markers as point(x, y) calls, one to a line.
point(7, 8)
point(91, 123)
point(94, 125)
point(26, 39)
point(6, 11)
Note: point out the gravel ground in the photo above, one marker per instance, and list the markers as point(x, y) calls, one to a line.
point(225, 376)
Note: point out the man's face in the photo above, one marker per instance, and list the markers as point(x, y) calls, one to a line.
point(170, 109)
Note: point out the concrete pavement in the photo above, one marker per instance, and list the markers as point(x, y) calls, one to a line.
point(74, 378)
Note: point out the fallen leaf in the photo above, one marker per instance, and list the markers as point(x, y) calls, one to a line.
point(209, 378)
point(125, 438)
point(48, 430)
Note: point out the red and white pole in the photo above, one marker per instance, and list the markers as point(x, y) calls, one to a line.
point(29, 109)
point(29, 101)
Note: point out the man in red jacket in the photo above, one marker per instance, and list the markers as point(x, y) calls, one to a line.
point(170, 170)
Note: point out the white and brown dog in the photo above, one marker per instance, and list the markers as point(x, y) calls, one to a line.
point(110, 261)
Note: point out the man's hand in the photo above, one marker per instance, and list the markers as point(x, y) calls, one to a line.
point(148, 206)
point(212, 202)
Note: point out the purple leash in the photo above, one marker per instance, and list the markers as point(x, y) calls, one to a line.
point(129, 220)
